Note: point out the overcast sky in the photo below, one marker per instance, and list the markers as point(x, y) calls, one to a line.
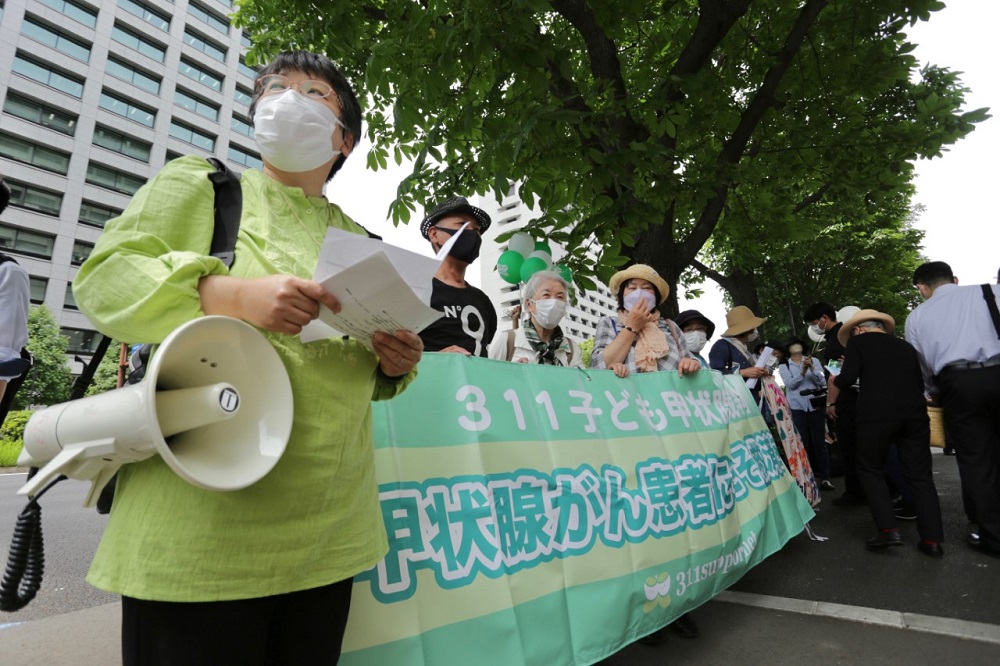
point(958, 189)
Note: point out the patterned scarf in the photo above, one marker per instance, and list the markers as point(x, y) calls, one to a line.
point(546, 350)
point(650, 346)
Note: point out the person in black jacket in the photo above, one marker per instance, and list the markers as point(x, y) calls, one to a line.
point(890, 409)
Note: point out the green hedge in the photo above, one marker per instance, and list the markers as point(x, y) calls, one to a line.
point(12, 437)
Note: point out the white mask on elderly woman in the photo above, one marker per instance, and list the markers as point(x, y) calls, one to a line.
point(549, 312)
point(754, 334)
point(294, 133)
point(695, 340)
point(633, 297)
point(795, 349)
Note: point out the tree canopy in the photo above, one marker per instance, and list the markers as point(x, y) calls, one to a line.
point(48, 381)
point(639, 128)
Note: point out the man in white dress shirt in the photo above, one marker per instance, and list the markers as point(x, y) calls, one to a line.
point(14, 299)
point(957, 334)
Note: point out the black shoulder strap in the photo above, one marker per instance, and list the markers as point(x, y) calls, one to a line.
point(4, 258)
point(228, 211)
point(991, 303)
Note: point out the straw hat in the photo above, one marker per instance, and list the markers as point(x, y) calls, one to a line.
point(844, 334)
point(643, 272)
point(740, 320)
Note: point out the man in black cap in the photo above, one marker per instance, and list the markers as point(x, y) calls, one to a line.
point(469, 320)
point(822, 318)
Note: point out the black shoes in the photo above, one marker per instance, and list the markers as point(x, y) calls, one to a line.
point(825, 484)
point(931, 549)
point(972, 538)
point(948, 451)
point(684, 627)
point(884, 540)
point(905, 513)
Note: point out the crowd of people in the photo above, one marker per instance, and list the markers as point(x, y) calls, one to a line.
point(263, 575)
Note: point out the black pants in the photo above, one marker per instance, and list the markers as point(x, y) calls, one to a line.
point(971, 403)
point(913, 443)
point(847, 440)
point(304, 627)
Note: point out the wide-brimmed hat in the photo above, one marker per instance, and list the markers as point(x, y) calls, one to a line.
point(691, 315)
point(740, 320)
point(643, 272)
point(844, 334)
point(455, 206)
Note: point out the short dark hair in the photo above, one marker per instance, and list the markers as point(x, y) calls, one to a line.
point(817, 310)
point(315, 64)
point(933, 273)
point(4, 195)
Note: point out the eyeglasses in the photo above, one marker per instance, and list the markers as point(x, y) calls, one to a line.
point(273, 84)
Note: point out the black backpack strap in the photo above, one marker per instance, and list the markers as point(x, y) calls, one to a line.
point(228, 210)
point(991, 303)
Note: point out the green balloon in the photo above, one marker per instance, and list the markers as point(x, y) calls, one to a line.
point(509, 266)
point(530, 267)
point(564, 272)
point(544, 247)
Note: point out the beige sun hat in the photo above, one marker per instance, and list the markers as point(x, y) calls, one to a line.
point(643, 272)
point(844, 334)
point(740, 320)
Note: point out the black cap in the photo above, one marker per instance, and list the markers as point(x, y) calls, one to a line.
point(690, 315)
point(455, 206)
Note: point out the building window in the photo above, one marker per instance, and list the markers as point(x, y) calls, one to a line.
point(171, 155)
point(68, 301)
point(96, 215)
point(81, 341)
point(33, 154)
point(198, 42)
point(32, 198)
point(246, 159)
point(244, 38)
point(81, 250)
point(242, 126)
point(120, 143)
point(196, 104)
point(37, 285)
point(54, 38)
point(137, 42)
point(22, 241)
point(126, 109)
point(112, 179)
point(128, 73)
point(192, 136)
point(243, 96)
point(78, 13)
point(246, 70)
point(147, 14)
point(199, 12)
point(48, 76)
point(202, 76)
point(40, 114)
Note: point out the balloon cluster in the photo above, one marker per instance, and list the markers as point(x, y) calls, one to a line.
point(524, 257)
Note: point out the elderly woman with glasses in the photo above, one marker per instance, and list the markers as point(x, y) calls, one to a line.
point(263, 574)
point(540, 340)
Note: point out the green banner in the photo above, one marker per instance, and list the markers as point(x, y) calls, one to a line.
point(552, 516)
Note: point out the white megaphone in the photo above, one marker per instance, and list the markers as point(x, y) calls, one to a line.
point(215, 403)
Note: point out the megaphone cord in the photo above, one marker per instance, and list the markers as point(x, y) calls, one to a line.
point(26, 559)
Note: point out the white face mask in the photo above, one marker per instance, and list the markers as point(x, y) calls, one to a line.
point(549, 312)
point(695, 340)
point(754, 334)
point(817, 331)
point(795, 350)
point(293, 132)
point(633, 297)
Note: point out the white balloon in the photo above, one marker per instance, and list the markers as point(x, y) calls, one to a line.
point(544, 256)
point(814, 337)
point(521, 243)
point(846, 312)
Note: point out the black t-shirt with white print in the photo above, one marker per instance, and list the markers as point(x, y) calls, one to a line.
point(469, 319)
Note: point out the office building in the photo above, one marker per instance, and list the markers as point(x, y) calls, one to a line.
point(512, 214)
point(98, 97)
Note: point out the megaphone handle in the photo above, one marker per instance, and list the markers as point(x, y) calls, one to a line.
point(103, 477)
point(63, 459)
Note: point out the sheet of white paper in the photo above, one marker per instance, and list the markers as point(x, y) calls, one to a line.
point(342, 249)
point(765, 356)
point(373, 297)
